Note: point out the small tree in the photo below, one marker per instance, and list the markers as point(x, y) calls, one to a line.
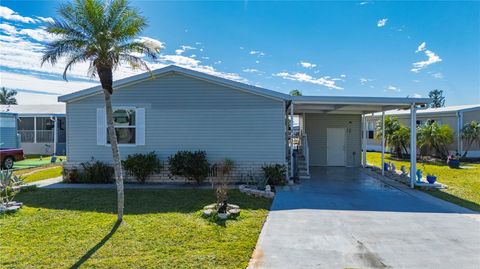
point(295, 93)
point(438, 100)
point(435, 136)
point(225, 169)
point(471, 135)
point(396, 135)
point(7, 96)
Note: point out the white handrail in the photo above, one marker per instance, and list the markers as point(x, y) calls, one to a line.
point(306, 152)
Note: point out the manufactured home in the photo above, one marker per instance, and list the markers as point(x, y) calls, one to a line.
point(174, 109)
point(42, 128)
point(454, 116)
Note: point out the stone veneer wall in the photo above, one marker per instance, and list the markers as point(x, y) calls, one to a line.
point(242, 172)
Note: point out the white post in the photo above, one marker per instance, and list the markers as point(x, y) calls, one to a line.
point(364, 141)
point(34, 129)
point(291, 140)
point(383, 143)
point(413, 145)
point(55, 138)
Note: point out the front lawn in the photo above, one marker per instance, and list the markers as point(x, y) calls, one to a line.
point(36, 161)
point(71, 228)
point(463, 184)
point(32, 175)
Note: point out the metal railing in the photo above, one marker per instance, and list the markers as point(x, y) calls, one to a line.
point(306, 151)
point(27, 136)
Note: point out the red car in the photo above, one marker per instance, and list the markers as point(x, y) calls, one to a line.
point(8, 156)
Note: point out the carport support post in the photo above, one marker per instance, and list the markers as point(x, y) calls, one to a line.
point(291, 140)
point(364, 141)
point(383, 143)
point(55, 138)
point(413, 145)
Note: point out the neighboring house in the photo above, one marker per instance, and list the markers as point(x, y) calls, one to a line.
point(42, 128)
point(174, 109)
point(8, 130)
point(454, 116)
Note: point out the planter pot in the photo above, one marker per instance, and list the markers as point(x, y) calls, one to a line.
point(454, 163)
point(431, 179)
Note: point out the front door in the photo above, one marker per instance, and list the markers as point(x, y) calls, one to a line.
point(336, 146)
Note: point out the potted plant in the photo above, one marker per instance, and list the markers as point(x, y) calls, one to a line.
point(431, 178)
point(453, 162)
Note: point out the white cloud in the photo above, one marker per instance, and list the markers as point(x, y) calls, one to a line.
point(382, 22)
point(8, 29)
point(392, 88)
point(185, 48)
point(421, 47)
point(258, 53)
point(364, 81)
point(38, 34)
point(10, 15)
point(302, 77)
point(437, 75)
point(343, 75)
point(251, 70)
point(257, 61)
point(432, 58)
point(46, 19)
point(307, 64)
point(151, 43)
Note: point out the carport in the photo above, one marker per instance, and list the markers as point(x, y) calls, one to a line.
point(333, 130)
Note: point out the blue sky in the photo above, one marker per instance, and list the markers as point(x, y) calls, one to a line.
point(370, 48)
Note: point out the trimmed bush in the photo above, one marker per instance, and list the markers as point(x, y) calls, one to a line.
point(274, 174)
point(191, 165)
point(141, 166)
point(91, 172)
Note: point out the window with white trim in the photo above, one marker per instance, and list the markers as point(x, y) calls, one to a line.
point(371, 130)
point(125, 125)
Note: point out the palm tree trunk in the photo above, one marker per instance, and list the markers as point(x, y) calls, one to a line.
point(106, 79)
point(116, 155)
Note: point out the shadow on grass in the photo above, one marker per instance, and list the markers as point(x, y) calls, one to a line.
point(92, 251)
point(136, 201)
point(454, 199)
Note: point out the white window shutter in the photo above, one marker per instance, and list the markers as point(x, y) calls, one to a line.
point(101, 127)
point(140, 123)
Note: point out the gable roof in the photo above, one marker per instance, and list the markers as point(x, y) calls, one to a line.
point(172, 69)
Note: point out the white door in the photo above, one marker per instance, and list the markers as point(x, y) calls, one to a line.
point(336, 146)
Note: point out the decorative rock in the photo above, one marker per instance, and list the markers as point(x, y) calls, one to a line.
point(13, 208)
point(232, 206)
point(234, 211)
point(207, 212)
point(268, 188)
point(210, 207)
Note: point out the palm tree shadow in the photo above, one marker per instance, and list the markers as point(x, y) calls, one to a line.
point(93, 250)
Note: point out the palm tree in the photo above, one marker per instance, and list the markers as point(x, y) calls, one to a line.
point(470, 134)
point(103, 33)
point(438, 137)
point(7, 96)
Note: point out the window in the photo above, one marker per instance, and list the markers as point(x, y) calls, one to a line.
point(125, 126)
point(26, 129)
point(44, 129)
point(371, 130)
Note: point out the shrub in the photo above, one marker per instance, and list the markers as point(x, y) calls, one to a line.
point(191, 165)
point(142, 165)
point(91, 172)
point(274, 174)
point(9, 184)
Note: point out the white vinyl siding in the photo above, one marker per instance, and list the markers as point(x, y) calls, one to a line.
point(184, 113)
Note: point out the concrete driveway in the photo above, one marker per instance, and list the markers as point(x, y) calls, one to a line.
point(342, 218)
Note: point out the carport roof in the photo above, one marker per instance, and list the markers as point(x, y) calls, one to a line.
point(352, 104)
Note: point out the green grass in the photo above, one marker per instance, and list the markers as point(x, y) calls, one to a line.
point(463, 184)
point(41, 174)
point(74, 228)
point(35, 161)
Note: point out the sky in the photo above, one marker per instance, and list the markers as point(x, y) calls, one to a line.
point(348, 48)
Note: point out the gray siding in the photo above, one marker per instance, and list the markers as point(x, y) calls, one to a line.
point(316, 128)
point(184, 113)
point(8, 134)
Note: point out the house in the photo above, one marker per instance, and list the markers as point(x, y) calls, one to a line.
point(174, 109)
point(42, 128)
point(454, 116)
point(8, 130)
